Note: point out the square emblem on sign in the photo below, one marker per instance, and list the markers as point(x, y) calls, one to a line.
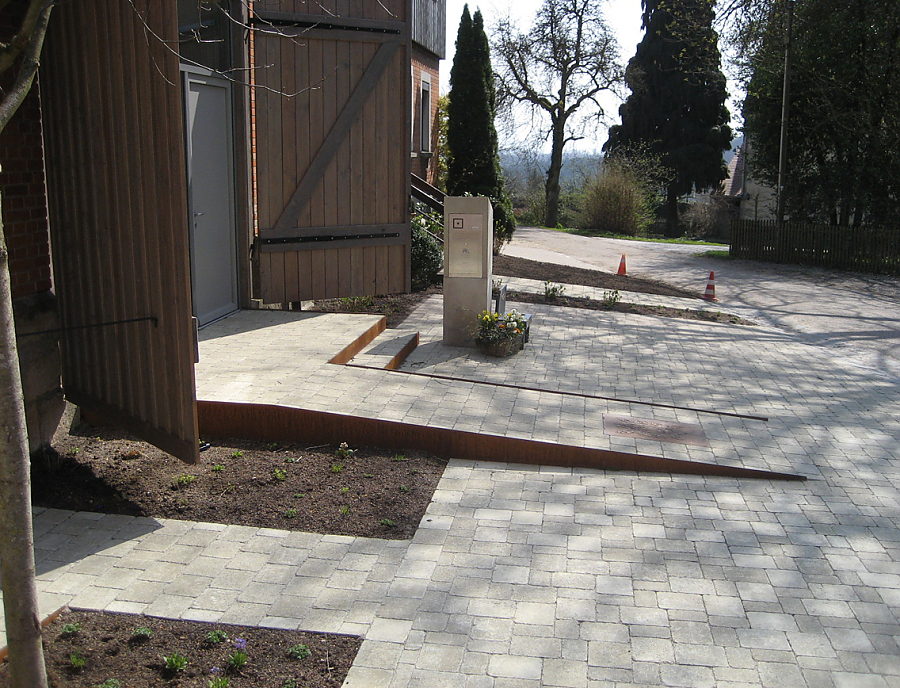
point(457, 223)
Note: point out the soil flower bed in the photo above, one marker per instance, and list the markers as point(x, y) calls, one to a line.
point(334, 489)
point(98, 650)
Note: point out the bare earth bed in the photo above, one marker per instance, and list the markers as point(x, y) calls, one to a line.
point(93, 649)
point(325, 489)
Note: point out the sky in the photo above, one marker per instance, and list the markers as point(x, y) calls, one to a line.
point(622, 16)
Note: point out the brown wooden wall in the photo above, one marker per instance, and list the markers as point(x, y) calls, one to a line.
point(332, 161)
point(118, 218)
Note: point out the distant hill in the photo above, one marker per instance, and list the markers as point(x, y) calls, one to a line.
point(518, 165)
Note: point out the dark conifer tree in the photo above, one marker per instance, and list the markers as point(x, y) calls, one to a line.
point(677, 103)
point(474, 165)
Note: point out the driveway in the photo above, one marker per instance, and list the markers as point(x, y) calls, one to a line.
point(856, 316)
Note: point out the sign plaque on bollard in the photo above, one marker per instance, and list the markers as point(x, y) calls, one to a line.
point(468, 244)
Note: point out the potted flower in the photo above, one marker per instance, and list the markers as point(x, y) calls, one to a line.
point(500, 335)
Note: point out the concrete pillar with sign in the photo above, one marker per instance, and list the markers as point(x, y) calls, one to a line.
point(468, 269)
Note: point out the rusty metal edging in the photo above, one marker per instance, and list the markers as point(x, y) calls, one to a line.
point(283, 423)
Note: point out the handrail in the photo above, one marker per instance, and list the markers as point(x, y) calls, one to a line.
point(430, 195)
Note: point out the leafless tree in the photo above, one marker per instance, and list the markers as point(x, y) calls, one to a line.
point(23, 626)
point(559, 68)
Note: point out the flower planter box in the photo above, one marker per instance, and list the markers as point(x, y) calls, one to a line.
point(503, 347)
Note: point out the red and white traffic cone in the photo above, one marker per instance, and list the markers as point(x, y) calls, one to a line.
point(621, 272)
point(710, 294)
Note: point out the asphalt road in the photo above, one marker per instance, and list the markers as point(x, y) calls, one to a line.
point(855, 315)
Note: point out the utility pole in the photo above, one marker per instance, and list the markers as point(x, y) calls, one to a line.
point(785, 99)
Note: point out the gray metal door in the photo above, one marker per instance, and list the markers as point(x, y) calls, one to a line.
point(210, 195)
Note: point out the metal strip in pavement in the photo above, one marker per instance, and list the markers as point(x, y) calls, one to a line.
point(580, 395)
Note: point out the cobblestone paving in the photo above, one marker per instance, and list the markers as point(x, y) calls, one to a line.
point(525, 577)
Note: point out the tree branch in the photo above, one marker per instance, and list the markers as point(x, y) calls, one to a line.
point(35, 41)
point(9, 52)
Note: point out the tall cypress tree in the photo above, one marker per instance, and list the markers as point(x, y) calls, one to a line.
point(677, 103)
point(474, 165)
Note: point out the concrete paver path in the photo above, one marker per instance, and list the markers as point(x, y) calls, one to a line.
point(525, 577)
point(856, 315)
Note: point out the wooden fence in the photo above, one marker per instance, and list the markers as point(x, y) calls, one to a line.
point(865, 249)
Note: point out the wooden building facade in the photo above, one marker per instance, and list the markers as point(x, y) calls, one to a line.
point(332, 158)
point(178, 191)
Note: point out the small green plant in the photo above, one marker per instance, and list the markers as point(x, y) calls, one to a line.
point(398, 457)
point(71, 628)
point(387, 522)
point(344, 451)
point(299, 495)
point(404, 488)
point(279, 474)
point(553, 291)
point(218, 468)
point(290, 683)
point(337, 467)
point(273, 446)
point(74, 450)
point(293, 459)
point(217, 680)
point(290, 513)
point(215, 637)
point(345, 490)
point(300, 651)
point(182, 481)
point(345, 510)
point(175, 662)
point(238, 658)
point(77, 660)
point(356, 303)
point(108, 683)
point(610, 298)
point(237, 454)
point(142, 633)
point(368, 475)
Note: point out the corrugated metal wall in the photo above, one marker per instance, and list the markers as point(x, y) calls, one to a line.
point(117, 193)
point(333, 160)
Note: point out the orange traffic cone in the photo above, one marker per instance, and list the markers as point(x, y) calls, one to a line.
point(621, 272)
point(710, 294)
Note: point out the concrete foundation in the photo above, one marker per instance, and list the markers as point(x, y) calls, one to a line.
point(39, 364)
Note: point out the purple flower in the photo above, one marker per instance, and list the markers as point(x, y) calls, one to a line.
point(240, 644)
point(215, 671)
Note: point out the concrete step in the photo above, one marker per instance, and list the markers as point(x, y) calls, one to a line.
point(388, 350)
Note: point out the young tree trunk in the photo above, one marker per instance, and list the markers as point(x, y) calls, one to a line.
point(551, 207)
point(23, 626)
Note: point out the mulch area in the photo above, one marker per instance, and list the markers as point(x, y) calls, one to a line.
point(510, 266)
point(357, 491)
point(633, 308)
point(99, 650)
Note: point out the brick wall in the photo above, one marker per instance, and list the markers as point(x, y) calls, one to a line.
point(23, 187)
point(423, 61)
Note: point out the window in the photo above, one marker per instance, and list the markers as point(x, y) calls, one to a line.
point(425, 114)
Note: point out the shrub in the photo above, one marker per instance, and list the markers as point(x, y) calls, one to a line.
point(615, 202)
point(426, 254)
point(706, 220)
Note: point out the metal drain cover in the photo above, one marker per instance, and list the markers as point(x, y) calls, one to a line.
point(655, 430)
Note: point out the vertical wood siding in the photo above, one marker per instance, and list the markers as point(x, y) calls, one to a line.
point(118, 216)
point(352, 189)
point(429, 25)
